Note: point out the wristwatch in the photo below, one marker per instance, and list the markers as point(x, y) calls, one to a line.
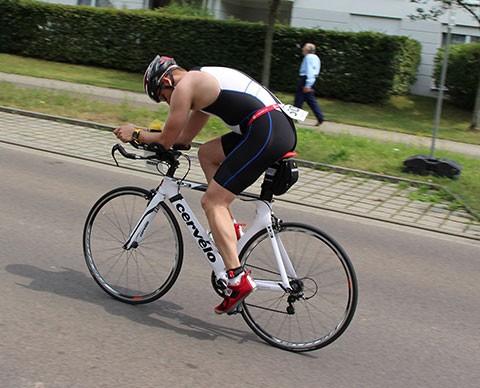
point(136, 134)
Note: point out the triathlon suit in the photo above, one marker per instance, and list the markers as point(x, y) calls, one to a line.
point(261, 132)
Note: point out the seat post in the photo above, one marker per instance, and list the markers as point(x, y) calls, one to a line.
point(266, 194)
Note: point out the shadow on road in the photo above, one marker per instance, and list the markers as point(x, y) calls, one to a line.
point(76, 285)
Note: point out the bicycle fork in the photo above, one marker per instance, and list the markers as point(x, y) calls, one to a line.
point(140, 228)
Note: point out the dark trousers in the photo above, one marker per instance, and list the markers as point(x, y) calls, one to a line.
point(309, 98)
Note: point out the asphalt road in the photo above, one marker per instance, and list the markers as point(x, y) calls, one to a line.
point(417, 322)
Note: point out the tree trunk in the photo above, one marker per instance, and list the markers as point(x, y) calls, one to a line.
point(476, 111)
point(267, 57)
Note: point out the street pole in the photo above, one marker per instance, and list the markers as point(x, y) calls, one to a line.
point(443, 77)
point(476, 110)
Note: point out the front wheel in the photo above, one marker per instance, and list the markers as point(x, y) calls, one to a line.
point(322, 297)
point(141, 274)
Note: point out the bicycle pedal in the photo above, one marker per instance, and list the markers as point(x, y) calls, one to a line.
point(236, 310)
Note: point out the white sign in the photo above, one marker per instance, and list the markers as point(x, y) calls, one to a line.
point(293, 112)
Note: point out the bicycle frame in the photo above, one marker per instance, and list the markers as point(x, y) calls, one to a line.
point(169, 189)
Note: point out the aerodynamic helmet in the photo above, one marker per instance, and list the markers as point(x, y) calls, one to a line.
point(156, 71)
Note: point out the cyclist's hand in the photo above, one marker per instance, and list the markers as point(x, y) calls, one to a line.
point(125, 132)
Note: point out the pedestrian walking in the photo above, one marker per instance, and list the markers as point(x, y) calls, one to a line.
point(309, 71)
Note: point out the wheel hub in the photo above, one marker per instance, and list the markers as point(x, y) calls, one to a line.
point(297, 292)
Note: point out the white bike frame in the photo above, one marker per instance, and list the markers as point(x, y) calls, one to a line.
point(169, 189)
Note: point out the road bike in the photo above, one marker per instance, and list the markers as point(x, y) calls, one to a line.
point(306, 285)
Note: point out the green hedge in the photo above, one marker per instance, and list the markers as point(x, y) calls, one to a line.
point(463, 73)
point(362, 67)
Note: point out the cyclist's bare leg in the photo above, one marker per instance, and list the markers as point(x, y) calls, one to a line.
point(216, 204)
point(210, 155)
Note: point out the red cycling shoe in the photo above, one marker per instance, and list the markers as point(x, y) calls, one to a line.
point(236, 293)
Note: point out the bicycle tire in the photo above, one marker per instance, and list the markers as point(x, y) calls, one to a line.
point(142, 274)
point(327, 293)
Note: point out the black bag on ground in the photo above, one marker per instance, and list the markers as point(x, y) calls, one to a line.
point(424, 165)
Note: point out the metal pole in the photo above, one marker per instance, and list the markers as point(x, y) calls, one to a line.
point(443, 77)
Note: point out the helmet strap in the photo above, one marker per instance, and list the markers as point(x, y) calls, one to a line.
point(169, 73)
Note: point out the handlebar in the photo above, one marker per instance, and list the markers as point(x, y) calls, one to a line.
point(125, 154)
point(159, 153)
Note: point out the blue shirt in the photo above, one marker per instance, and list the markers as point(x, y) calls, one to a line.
point(310, 68)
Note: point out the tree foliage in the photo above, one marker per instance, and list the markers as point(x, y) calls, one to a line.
point(463, 73)
point(428, 10)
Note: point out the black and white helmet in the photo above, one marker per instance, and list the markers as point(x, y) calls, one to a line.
point(156, 71)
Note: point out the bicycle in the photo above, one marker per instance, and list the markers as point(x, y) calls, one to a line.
point(306, 284)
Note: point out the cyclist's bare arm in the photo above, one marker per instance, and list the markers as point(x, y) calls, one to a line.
point(195, 91)
point(196, 122)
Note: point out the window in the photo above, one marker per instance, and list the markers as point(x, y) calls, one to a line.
point(95, 3)
point(455, 39)
point(459, 39)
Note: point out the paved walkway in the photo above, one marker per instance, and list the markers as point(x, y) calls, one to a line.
point(364, 196)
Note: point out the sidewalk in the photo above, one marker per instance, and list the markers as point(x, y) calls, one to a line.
point(362, 195)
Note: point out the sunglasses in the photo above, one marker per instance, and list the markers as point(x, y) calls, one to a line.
point(159, 91)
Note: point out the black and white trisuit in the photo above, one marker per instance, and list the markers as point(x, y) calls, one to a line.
point(261, 132)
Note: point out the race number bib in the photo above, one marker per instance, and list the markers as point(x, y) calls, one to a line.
point(293, 112)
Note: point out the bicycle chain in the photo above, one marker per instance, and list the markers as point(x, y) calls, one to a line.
point(268, 309)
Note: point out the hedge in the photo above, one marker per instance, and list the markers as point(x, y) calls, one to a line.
point(363, 67)
point(463, 73)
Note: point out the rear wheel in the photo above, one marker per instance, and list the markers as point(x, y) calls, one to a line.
point(323, 296)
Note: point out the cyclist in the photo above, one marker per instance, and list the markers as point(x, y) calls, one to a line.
point(261, 133)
